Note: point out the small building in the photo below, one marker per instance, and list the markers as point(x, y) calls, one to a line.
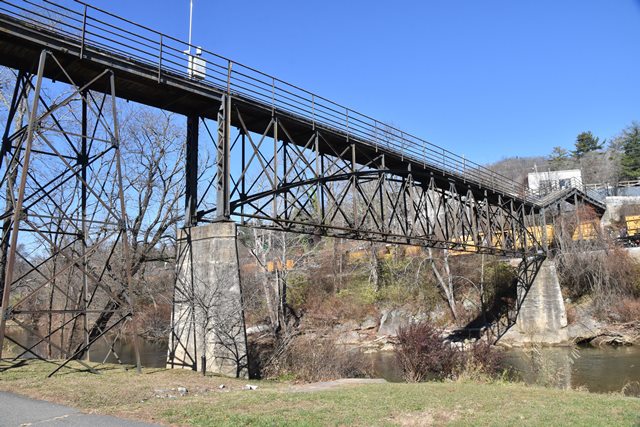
point(545, 182)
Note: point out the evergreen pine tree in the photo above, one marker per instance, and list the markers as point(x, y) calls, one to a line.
point(585, 143)
point(631, 152)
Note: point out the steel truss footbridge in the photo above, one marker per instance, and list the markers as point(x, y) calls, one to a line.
point(285, 159)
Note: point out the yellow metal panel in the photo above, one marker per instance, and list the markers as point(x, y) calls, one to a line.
point(633, 224)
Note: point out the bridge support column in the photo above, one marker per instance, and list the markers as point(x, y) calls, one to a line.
point(191, 187)
point(542, 317)
point(208, 327)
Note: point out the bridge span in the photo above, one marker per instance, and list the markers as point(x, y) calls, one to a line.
point(285, 159)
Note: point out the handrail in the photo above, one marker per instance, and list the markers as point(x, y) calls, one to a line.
point(554, 187)
point(93, 27)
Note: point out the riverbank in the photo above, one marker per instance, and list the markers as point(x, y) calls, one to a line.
point(157, 396)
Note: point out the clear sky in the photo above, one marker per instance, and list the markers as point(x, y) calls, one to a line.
point(486, 79)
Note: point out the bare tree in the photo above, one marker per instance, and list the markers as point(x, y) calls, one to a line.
point(153, 158)
point(277, 254)
point(444, 278)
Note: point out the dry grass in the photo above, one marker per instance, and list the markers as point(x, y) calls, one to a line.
point(115, 390)
point(312, 359)
point(119, 392)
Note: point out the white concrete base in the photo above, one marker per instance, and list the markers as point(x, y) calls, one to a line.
point(542, 318)
point(208, 317)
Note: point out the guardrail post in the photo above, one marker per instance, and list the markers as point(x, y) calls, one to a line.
point(160, 58)
point(273, 96)
point(375, 133)
point(223, 210)
point(347, 119)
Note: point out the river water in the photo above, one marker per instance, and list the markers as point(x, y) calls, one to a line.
point(600, 370)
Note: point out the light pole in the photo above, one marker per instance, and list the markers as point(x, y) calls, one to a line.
point(190, 24)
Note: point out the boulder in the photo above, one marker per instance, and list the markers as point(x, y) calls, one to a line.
point(392, 320)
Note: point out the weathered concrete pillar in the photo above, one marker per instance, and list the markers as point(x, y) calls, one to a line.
point(208, 317)
point(542, 317)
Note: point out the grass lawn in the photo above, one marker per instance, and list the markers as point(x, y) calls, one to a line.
point(120, 392)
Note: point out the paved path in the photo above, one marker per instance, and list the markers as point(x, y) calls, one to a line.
point(328, 385)
point(21, 411)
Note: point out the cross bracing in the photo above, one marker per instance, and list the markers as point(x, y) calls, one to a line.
point(286, 159)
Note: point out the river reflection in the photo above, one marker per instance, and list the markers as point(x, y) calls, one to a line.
point(596, 369)
point(599, 370)
point(152, 354)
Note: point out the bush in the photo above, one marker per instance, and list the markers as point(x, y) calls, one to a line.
point(422, 353)
point(571, 314)
point(627, 310)
point(481, 361)
point(606, 275)
point(312, 359)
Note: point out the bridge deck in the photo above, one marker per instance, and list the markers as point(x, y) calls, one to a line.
point(570, 195)
point(150, 69)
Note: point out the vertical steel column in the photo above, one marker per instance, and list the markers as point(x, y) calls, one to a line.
point(381, 193)
point(489, 234)
point(17, 211)
point(543, 226)
point(243, 189)
point(323, 207)
point(17, 101)
point(284, 177)
point(354, 192)
point(223, 210)
point(83, 159)
point(525, 243)
point(191, 176)
point(444, 203)
point(407, 188)
point(274, 214)
point(318, 171)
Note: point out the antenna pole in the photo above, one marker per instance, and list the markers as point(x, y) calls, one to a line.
point(190, 22)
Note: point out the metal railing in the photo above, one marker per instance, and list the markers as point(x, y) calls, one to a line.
point(97, 30)
point(558, 185)
point(609, 186)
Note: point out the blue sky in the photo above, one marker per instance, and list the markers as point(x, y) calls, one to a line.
point(486, 79)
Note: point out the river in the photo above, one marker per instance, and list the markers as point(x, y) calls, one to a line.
point(599, 370)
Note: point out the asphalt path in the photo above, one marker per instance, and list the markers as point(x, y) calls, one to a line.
point(19, 411)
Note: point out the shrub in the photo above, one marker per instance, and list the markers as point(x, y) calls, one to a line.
point(318, 359)
point(606, 275)
point(481, 361)
point(571, 314)
point(422, 353)
point(627, 310)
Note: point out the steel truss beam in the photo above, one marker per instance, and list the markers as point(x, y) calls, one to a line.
point(304, 183)
point(64, 250)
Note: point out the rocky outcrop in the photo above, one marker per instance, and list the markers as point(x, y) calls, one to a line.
point(392, 320)
point(356, 333)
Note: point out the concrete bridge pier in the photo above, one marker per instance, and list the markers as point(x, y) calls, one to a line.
point(208, 329)
point(542, 317)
